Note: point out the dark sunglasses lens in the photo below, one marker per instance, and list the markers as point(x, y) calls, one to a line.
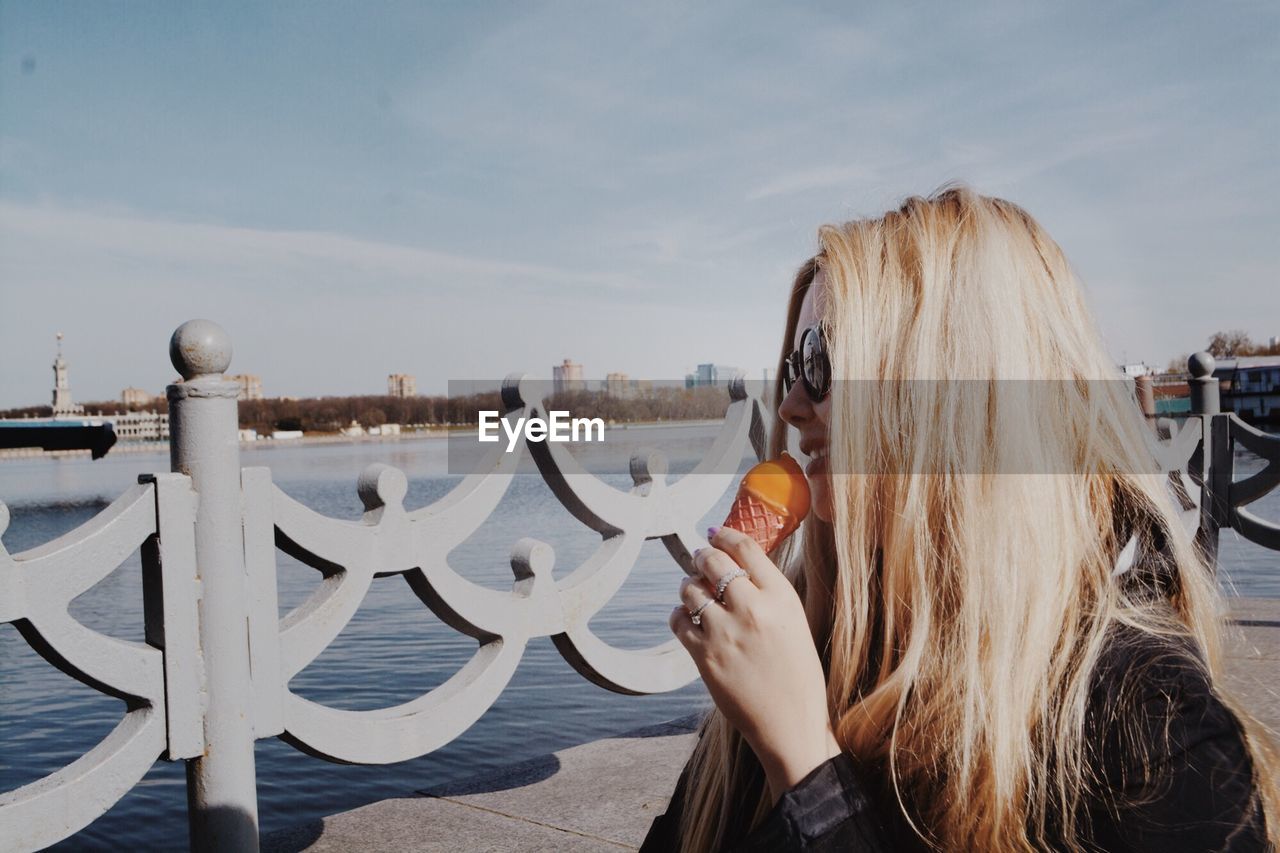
point(816, 367)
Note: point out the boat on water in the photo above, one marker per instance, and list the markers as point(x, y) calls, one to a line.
point(93, 434)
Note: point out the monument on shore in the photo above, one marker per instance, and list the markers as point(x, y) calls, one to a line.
point(62, 404)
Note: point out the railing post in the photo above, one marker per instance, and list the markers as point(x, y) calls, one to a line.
point(1144, 390)
point(222, 798)
point(1202, 384)
point(1216, 466)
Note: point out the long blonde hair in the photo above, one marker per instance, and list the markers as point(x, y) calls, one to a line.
point(961, 610)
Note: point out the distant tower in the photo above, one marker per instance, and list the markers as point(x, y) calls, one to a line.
point(567, 377)
point(401, 385)
point(62, 404)
point(250, 385)
point(617, 385)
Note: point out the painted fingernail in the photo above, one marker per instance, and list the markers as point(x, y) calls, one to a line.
point(712, 531)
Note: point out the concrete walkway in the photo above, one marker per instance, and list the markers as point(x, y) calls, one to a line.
point(603, 795)
point(598, 796)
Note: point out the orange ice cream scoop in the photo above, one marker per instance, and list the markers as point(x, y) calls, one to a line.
point(772, 501)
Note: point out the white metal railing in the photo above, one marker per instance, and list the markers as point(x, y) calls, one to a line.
point(213, 673)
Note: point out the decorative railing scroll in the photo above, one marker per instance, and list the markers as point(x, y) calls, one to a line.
point(156, 679)
point(1241, 493)
point(1176, 457)
point(392, 541)
point(1174, 450)
point(162, 681)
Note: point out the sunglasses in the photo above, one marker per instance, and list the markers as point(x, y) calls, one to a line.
point(809, 365)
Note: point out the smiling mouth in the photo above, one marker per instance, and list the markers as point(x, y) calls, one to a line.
point(817, 459)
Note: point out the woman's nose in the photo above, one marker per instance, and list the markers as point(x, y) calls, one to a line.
point(796, 408)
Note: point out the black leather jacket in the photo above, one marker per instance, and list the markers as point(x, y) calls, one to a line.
point(1195, 791)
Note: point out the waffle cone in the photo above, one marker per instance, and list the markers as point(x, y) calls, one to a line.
point(759, 521)
point(773, 498)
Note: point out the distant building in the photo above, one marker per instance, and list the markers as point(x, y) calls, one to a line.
point(401, 385)
point(140, 426)
point(1273, 342)
point(618, 385)
point(711, 374)
point(1250, 387)
point(62, 404)
point(567, 377)
point(1136, 369)
point(135, 397)
point(250, 386)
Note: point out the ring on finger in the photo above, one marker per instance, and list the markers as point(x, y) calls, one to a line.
point(695, 616)
point(724, 582)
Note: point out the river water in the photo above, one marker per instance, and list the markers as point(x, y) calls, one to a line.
point(393, 650)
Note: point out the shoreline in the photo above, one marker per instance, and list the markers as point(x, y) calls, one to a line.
point(132, 447)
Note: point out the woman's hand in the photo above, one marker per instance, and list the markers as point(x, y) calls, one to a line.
point(757, 657)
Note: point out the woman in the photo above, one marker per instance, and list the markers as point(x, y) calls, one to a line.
point(951, 660)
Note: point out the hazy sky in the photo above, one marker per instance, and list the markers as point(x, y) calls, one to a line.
point(467, 190)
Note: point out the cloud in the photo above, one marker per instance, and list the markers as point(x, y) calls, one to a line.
point(32, 229)
point(822, 177)
point(314, 312)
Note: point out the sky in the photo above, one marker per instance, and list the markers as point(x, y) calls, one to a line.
point(459, 190)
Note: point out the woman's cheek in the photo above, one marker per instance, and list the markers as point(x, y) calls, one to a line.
point(820, 495)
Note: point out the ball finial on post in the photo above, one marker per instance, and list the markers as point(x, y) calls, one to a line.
point(200, 348)
point(1201, 364)
point(1202, 385)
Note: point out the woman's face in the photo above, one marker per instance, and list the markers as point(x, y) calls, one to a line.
point(810, 419)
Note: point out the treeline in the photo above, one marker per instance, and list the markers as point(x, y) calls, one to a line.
point(1236, 343)
point(330, 414)
point(659, 404)
point(101, 407)
point(1233, 344)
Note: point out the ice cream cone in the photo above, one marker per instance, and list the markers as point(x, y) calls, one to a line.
point(772, 500)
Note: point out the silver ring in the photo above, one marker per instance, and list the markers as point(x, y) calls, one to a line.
point(695, 616)
point(726, 580)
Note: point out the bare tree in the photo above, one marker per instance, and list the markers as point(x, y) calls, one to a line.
point(1230, 344)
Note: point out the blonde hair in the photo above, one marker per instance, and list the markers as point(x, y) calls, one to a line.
point(961, 611)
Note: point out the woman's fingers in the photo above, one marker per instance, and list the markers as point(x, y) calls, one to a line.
point(695, 596)
point(689, 634)
point(716, 568)
point(746, 553)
